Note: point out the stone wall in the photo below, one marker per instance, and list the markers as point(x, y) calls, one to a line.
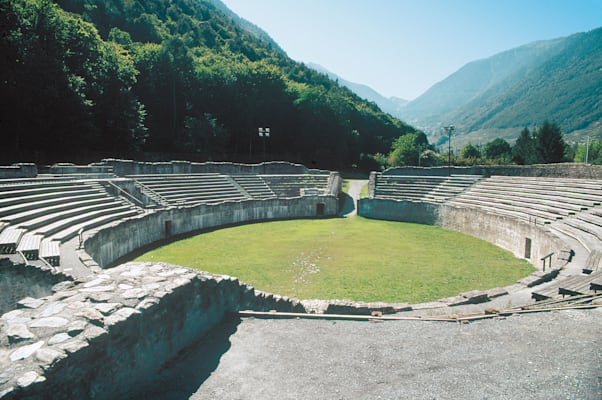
point(88, 170)
point(505, 232)
point(19, 281)
point(565, 170)
point(129, 167)
point(104, 337)
point(110, 244)
point(22, 170)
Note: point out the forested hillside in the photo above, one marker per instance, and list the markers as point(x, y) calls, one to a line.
point(124, 78)
point(559, 80)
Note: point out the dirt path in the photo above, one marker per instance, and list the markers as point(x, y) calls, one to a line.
point(352, 196)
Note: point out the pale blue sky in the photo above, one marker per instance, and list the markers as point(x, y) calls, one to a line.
point(402, 47)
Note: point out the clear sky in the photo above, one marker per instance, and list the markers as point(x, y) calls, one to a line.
point(402, 47)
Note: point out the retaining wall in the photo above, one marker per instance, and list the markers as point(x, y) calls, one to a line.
point(19, 281)
point(21, 170)
point(112, 243)
point(70, 169)
point(505, 232)
point(109, 335)
point(563, 170)
point(129, 167)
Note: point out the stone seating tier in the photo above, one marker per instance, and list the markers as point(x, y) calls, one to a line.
point(254, 185)
point(65, 223)
point(9, 239)
point(29, 245)
point(563, 205)
point(514, 211)
point(572, 195)
point(190, 189)
point(588, 240)
point(51, 217)
point(92, 221)
point(594, 262)
point(22, 200)
point(286, 186)
point(585, 226)
point(437, 189)
point(50, 252)
point(569, 286)
point(15, 184)
point(531, 208)
point(42, 209)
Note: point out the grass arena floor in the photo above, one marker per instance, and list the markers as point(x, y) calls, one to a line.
point(348, 258)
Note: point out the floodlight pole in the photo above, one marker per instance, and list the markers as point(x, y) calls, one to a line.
point(448, 130)
point(587, 151)
point(264, 133)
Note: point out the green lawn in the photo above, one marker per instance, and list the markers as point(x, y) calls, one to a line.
point(348, 258)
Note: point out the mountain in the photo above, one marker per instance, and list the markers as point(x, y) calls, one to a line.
point(390, 105)
point(156, 79)
point(559, 80)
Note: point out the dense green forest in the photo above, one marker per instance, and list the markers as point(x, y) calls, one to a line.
point(181, 78)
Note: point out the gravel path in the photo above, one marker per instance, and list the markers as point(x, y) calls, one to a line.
point(555, 355)
point(350, 205)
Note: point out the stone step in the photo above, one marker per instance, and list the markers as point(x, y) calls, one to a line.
point(9, 239)
point(52, 228)
point(43, 209)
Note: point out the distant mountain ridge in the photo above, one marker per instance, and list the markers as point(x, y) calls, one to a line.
point(391, 105)
point(559, 80)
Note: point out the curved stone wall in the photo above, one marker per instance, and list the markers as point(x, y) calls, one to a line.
point(129, 167)
point(505, 232)
point(21, 170)
point(110, 244)
point(564, 170)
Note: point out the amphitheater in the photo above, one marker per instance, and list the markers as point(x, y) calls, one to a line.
point(76, 322)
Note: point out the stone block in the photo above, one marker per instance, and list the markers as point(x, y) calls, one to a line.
point(19, 333)
point(30, 302)
point(49, 322)
point(26, 351)
point(29, 378)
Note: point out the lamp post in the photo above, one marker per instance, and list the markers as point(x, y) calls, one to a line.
point(448, 130)
point(265, 134)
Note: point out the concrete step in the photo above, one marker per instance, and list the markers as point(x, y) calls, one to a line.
point(70, 231)
point(62, 224)
point(50, 252)
point(9, 239)
point(43, 209)
point(24, 201)
point(49, 218)
point(29, 245)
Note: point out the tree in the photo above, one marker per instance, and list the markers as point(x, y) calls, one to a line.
point(470, 152)
point(523, 151)
point(593, 152)
point(498, 150)
point(407, 148)
point(549, 145)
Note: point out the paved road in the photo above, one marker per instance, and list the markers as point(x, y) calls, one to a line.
point(547, 356)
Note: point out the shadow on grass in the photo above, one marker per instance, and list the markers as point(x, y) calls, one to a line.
point(347, 204)
point(182, 376)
